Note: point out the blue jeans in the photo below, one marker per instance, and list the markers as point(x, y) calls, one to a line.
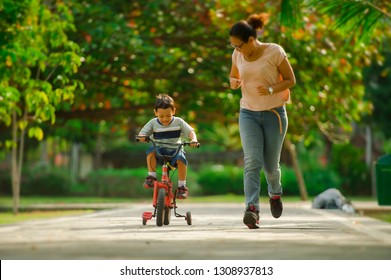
point(262, 134)
point(166, 151)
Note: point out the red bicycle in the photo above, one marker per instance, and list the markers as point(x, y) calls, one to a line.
point(164, 199)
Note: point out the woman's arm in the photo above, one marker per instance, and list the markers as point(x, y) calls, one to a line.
point(288, 76)
point(234, 77)
point(288, 79)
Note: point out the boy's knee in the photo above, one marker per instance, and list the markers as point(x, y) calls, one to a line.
point(151, 154)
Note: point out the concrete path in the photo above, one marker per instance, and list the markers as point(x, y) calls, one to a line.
point(217, 232)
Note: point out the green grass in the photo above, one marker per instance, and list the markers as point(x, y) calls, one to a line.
point(9, 218)
point(385, 217)
point(28, 201)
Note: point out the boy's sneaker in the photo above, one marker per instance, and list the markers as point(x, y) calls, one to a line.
point(149, 182)
point(276, 206)
point(251, 217)
point(182, 192)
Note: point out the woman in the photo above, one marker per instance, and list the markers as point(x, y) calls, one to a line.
point(263, 72)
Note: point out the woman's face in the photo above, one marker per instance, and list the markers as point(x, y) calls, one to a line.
point(241, 46)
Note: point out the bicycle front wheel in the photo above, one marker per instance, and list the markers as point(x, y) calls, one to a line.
point(167, 215)
point(160, 207)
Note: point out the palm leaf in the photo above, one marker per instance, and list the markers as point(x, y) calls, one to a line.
point(352, 16)
point(290, 15)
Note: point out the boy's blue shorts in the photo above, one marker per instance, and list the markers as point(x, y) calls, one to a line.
point(166, 151)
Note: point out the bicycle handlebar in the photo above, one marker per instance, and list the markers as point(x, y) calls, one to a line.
point(184, 143)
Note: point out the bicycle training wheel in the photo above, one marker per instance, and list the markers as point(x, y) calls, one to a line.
point(160, 207)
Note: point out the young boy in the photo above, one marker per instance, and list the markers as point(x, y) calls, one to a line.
point(166, 130)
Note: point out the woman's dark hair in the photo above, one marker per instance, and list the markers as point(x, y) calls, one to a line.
point(163, 101)
point(246, 29)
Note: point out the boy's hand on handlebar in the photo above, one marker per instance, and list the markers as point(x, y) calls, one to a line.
point(142, 138)
point(195, 144)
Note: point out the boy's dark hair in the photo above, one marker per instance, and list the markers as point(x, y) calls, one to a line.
point(163, 101)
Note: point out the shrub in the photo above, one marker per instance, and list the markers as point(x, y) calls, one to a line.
point(288, 181)
point(319, 179)
point(5, 182)
point(126, 182)
point(80, 189)
point(348, 160)
point(223, 179)
point(117, 182)
point(45, 181)
point(220, 179)
point(318, 176)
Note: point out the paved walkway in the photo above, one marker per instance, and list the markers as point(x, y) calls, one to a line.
point(217, 232)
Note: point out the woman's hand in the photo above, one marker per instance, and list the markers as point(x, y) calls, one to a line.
point(263, 90)
point(234, 83)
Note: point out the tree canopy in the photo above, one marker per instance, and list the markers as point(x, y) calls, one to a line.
point(133, 51)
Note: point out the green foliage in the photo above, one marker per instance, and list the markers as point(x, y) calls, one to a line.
point(377, 79)
point(45, 181)
point(39, 63)
point(288, 181)
point(227, 136)
point(290, 15)
point(185, 52)
point(318, 175)
point(125, 183)
point(319, 179)
point(117, 182)
point(10, 14)
point(135, 49)
point(356, 18)
point(79, 131)
point(387, 147)
point(348, 160)
point(331, 98)
point(220, 179)
point(40, 180)
point(5, 182)
point(228, 179)
point(136, 57)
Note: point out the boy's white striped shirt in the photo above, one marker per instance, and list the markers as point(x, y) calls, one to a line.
point(167, 136)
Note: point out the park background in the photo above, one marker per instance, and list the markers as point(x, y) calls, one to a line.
point(78, 80)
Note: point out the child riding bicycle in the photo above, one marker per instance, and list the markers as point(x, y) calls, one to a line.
point(167, 130)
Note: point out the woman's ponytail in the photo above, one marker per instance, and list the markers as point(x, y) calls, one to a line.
point(258, 21)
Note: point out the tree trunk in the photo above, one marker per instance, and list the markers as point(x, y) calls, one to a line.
point(17, 160)
point(44, 158)
point(14, 165)
point(75, 159)
point(368, 146)
point(299, 174)
point(21, 151)
point(368, 157)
